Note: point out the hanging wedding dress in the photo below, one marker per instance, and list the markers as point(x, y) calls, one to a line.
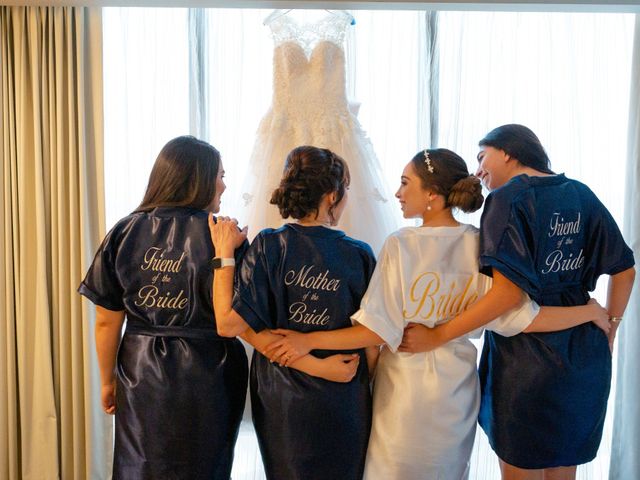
point(310, 107)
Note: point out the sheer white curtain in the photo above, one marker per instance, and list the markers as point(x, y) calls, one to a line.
point(625, 462)
point(146, 97)
point(384, 78)
point(566, 76)
point(238, 71)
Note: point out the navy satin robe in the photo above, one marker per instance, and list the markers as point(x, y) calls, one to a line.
point(180, 387)
point(544, 395)
point(306, 279)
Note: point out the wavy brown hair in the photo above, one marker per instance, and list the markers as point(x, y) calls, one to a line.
point(183, 175)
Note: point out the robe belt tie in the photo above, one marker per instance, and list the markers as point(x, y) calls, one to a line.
point(173, 331)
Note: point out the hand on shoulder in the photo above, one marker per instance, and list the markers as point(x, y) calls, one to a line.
point(225, 235)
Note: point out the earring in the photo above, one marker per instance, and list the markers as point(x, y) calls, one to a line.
point(429, 205)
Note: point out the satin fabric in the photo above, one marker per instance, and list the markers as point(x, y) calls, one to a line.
point(544, 395)
point(306, 279)
point(180, 387)
point(425, 405)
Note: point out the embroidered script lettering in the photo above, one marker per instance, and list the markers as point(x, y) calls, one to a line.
point(298, 314)
point(149, 295)
point(427, 298)
point(315, 282)
point(559, 260)
point(154, 260)
point(303, 278)
point(559, 227)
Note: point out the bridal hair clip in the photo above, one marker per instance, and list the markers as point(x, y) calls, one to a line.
point(427, 160)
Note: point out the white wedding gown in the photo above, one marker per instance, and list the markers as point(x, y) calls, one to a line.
point(310, 107)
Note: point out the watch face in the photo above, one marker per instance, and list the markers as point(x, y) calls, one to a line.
point(219, 262)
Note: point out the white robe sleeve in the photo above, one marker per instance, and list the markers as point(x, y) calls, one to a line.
point(515, 320)
point(381, 307)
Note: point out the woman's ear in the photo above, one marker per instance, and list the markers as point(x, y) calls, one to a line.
point(333, 197)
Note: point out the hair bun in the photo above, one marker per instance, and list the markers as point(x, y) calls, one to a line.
point(310, 173)
point(466, 194)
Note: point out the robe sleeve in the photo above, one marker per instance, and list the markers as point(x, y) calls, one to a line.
point(369, 263)
point(238, 255)
point(511, 323)
point(253, 299)
point(381, 307)
point(607, 250)
point(507, 242)
point(516, 320)
point(101, 285)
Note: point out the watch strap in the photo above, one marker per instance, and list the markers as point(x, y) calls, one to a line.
point(220, 262)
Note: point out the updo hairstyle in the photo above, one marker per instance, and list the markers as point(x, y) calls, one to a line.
point(309, 174)
point(446, 174)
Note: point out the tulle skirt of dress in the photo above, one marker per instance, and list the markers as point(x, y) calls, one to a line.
point(370, 213)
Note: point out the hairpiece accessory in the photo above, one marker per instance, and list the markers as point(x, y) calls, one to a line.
point(427, 160)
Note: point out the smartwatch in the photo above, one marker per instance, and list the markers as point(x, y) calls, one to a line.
point(219, 262)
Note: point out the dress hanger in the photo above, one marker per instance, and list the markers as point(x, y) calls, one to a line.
point(275, 14)
point(278, 13)
point(342, 12)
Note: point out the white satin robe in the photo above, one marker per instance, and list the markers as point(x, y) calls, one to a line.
point(425, 405)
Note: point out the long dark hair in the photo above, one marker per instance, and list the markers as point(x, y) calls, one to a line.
point(446, 173)
point(309, 173)
point(521, 143)
point(183, 175)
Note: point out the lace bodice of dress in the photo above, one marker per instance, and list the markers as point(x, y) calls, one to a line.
point(309, 66)
point(331, 28)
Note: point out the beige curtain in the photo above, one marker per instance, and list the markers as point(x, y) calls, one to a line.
point(51, 217)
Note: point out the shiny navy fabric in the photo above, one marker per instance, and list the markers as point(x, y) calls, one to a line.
point(544, 395)
point(306, 279)
point(180, 387)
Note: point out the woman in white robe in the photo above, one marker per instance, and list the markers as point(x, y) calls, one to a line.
point(426, 403)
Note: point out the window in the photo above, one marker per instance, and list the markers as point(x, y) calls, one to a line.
point(564, 75)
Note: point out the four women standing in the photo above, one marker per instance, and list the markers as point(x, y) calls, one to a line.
point(307, 278)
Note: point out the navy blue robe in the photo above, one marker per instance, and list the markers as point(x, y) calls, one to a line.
point(544, 395)
point(306, 279)
point(180, 387)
